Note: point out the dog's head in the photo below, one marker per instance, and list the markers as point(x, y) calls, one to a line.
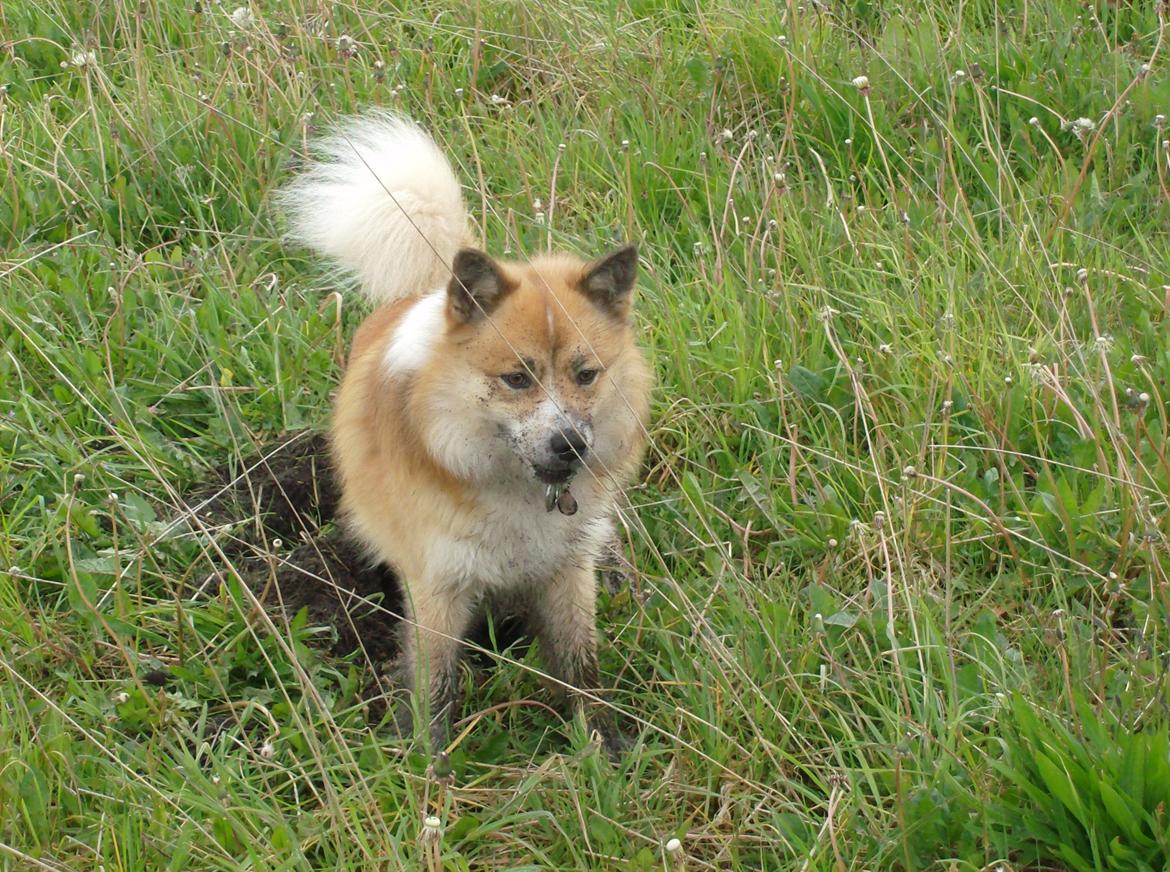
point(536, 373)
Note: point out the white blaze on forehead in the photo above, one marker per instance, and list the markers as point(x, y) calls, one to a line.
point(548, 415)
point(416, 334)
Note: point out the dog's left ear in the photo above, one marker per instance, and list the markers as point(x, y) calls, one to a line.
point(609, 280)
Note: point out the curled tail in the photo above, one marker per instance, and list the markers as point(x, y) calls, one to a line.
point(381, 199)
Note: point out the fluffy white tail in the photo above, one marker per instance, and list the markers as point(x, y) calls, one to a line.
point(381, 199)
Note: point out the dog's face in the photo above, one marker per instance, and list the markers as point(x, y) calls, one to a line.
point(537, 376)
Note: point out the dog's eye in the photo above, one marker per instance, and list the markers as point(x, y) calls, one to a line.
point(586, 377)
point(517, 381)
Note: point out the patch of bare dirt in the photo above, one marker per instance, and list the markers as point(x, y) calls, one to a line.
point(285, 493)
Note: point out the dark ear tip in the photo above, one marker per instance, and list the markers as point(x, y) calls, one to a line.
point(468, 255)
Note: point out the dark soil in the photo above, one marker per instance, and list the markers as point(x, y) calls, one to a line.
point(286, 493)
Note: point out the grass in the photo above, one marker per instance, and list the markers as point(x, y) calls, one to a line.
point(901, 542)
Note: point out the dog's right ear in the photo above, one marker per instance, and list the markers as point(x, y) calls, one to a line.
point(477, 286)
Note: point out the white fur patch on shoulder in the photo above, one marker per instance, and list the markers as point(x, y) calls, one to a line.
point(416, 334)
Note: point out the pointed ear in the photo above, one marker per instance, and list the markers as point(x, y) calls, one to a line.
point(609, 280)
point(477, 285)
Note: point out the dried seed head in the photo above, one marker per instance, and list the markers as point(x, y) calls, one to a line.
point(82, 59)
point(242, 17)
point(431, 837)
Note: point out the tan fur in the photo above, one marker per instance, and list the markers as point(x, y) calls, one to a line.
point(431, 487)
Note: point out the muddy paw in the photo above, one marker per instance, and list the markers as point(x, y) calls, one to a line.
point(613, 740)
point(616, 743)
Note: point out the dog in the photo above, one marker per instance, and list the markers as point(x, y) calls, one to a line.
point(490, 413)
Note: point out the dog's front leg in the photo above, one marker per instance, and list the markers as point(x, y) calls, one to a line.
point(564, 621)
point(432, 643)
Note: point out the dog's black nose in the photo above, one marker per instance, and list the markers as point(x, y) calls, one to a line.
point(568, 445)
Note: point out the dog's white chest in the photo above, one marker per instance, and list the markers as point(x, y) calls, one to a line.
point(512, 543)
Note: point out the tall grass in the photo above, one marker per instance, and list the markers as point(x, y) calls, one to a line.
point(900, 549)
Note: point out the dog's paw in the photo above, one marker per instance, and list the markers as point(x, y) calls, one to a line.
point(617, 743)
point(606, 734)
